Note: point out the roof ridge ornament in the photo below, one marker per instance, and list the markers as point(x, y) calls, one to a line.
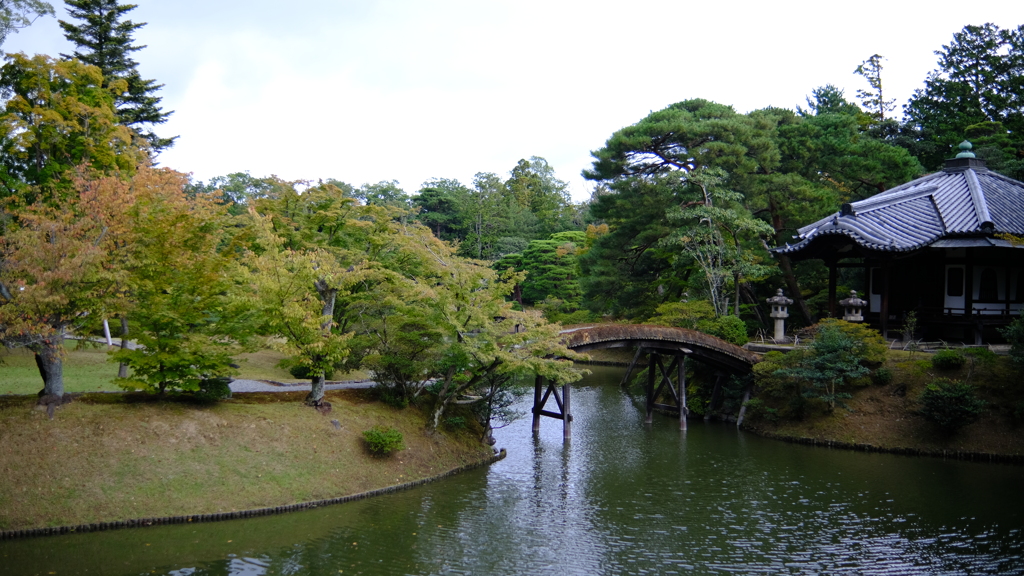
point(965, 150)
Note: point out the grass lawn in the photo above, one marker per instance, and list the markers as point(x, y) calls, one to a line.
point(111, 457)
point(89, 369)
point(85, 370)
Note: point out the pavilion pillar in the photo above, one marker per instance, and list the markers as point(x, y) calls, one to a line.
point(832, 281)
point(883, 320)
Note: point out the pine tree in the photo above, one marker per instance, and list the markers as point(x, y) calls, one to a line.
point(105, 40)
point(876, 104)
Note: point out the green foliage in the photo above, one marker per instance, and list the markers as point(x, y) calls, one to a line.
point(552, 273)
point(58, 115)
point(729, 328)
point(301, 371)
point(686, 314)
point(383, 440)
point(882, 376)
point(978, 80)
point(871, 70)
point(1014, 334)
point(455, 423)
point(183, 299)
point(868, 345)
point(104, 39)
point(214, 389)
point(18, 14)
point(949, 360)
point(950, 404)
point(757, 409)
point(831, 363)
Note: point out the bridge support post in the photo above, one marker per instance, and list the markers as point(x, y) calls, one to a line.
point(566, 413)
point(538, 387)
point(542, 390)
point(683, 410)
point(676, 390)
point(652, 359)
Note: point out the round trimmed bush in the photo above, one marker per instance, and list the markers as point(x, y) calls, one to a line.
point(950, 404)
point(383, 440)
point(949, 360)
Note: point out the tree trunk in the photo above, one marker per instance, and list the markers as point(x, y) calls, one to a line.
point(316, 393)
point(435, 418)
point(328, 296)
point(50, 362)
point(122, 368)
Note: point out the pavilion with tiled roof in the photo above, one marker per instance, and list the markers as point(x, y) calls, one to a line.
point(931, 246)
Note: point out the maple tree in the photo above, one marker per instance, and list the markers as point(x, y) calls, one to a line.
point(56, 273)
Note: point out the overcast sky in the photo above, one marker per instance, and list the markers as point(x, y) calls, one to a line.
point(408, 90)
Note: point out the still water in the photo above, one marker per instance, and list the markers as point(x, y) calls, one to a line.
point(621, 498)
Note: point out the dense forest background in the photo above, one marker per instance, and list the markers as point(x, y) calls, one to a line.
point(455, 282)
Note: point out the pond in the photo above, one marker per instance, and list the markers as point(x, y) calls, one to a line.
point(621, 497)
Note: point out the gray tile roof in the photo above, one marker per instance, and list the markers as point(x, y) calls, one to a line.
point(964, 200)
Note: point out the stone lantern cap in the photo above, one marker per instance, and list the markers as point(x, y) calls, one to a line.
point(779, 305)
point(853, 301)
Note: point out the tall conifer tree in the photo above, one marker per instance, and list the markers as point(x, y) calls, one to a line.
point(104, 39)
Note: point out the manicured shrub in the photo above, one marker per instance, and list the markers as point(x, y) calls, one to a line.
point(950, 404)
point(882, 376)
point(383, 440)
point(729, 328)
point(1014, 334)
point(213, 389)
point(948, 360)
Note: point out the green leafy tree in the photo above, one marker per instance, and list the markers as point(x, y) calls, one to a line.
point(58, 115)
point(57, 274)
point(440, 203)
point(552, 269)
point(18, 14)
point(310, 249)
point(239, 189)
point(830, 364)
point(384, 193)
point(488, 339)
point(713, 232)
point(979, 78)
point(187, 313)
point(535, 188)
point(103, 38)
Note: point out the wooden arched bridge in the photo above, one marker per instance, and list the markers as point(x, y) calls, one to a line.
point(658, 343)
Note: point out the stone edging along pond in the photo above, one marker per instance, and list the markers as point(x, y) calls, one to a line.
point(192, 518)
point(950, 454)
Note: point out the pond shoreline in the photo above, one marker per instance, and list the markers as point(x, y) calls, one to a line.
point(987, 457)
point(253, 513)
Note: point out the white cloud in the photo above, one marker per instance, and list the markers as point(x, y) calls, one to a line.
point(365, 91)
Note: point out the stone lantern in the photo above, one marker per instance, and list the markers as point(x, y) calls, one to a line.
point(780, 311)
point(854, 307)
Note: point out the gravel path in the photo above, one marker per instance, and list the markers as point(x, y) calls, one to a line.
point(241, 385)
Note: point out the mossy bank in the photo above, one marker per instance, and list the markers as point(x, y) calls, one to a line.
point(886, 416)
point(110, 457)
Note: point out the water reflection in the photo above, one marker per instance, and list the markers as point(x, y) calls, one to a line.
point(620, 498)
